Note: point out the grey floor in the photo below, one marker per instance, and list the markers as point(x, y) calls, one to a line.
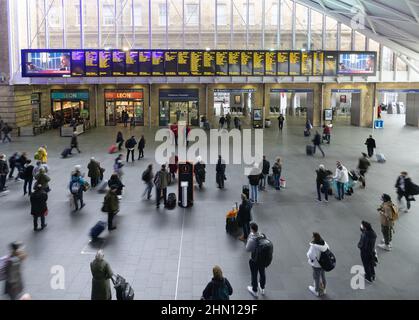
point(170, 254)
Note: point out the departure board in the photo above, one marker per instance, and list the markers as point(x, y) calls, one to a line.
point(208, 64)
point(221, 63)
point(234, 63)
point(105, 63)
point(270, 63)
point(196, 63)
point(295, 63)
point(283, 63)
point(246, 63)
point(144, 63)
point(306, 64)
point(92, 64)
point(118, 63)
point(170, 63)
point(258, 63)
point(157, 65)
point(318, 63)
point(183, 63)
point(77, 63)
point(330, 63)
point(131, 68)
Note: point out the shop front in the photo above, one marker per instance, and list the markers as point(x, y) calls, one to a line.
point(346, 106)
point(236, 102)
point(119, 102)
point(179, 105)
point(69, 105)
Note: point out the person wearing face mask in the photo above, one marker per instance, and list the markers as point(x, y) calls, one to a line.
point(367, 247)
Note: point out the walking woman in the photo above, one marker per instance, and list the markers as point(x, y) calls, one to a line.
point(317, 246)
point(14, 282)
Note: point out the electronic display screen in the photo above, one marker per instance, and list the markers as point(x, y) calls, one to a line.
point(48, 63)
point(283, 63)
point(131, 63)
point(330, 63)
point(306, 64)
point(105, 63)
point(270, 63)
point(221, 63)
point(318, 63)
point(258, 63)
point(144, 63)
point(246, 63)
point(234, 63)
point(355, 63)
point(170, 63)
point(208, 64)
point(157, 63)
point(92, 63)
point(77, 63)
point(183, 63)
point(196, 63)
point(118, 63)
point(295, 63)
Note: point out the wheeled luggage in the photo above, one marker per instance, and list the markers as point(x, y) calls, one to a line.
point(171, 201)
point(66, 152)
point(113, 149)
point(380, 157)
point(102, 186)
point(232, 226)
point(123, 289)
point(282, 183)
point(310, 150)
point(97, 229)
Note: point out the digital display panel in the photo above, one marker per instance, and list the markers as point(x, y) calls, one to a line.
point(295, 63)
point(258, 63)
point(318, 63)
point(157, 63)
point(170, 63)
point(77, 63)
point(47, 63)
point(105, 63)
point(246, 63)
point(283, 63)
point(221, 63)
point(330, 63)
point(183, 63)
point(355, 63)
point(92, 63)
point(118, 63)
point(270, 63)
point(196, 63)
point(208, 64)
point(131, 63)
point(234, 63)
point(306, 64)
point(144, 63)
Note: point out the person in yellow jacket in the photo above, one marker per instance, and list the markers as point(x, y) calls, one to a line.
point(42, 154)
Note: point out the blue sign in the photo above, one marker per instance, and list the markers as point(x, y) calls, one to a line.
point(346, 91)
point(179, 95)
point(378, 124)
point(65, 95)
point(235, 90)
point(291, 90)
point(400, 90)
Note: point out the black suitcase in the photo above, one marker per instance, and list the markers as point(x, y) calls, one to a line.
point(66, 152)
point(97, 229)
point(232, 227)
point(309, 150)
point(171, 201)
point(245, 190)
point(271, 180)
point(123, 289)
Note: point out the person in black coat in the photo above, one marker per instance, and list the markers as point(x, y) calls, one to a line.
point(244, 216)
point(130, 145)
point(4, 170)
point(74, 143)
point(405, 188)
point(28, 177)
point(39, 207)
point(265, 173)
point(119, 140)
point(14, 163)
point(199, 170)
point(370, 143)
point(220, 172)
point(141, 146)
point(322, 182)
point(316, 143)
point(219, 288)
point(367, 247)
point(115, 183)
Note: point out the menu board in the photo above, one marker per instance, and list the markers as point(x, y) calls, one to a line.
point(170, 63)
point(295, 63)
point(306, 64)
point(183, 63)
point(144, 63)
point(318, 63)
point(270, 63)
point(77, 63)
point(258, 63)
point(157, 65)
point(208, 63)
point(92, 64)
point(221, 63)
point(283, 63)
point(196, 63)
point(234, 63)
point(131, 60)
point(118, 63)
point(105, 65)
point(246, 63)
point(330, 63)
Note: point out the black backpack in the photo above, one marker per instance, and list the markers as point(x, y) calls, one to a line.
point(220, 292)
point(263, 251)
point(327, 260)
point(146, 175)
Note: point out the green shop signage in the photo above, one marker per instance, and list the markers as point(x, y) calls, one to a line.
point(70, 95)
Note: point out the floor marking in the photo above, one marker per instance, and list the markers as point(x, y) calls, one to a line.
point(86, 248)
point(180, 254)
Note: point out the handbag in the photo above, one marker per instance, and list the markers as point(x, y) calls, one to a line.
point(46, 213)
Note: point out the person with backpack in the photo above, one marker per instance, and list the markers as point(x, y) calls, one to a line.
point(111, 205)
point(244, 216)
point(199, 170)
point(4, 170)
point(388, 215)
point(76, 187)
point(277, 170)
point(219, 288)
point(74, 143)
point(141, 146)
point(407, 189)
point(101, 276)
point(317, 140)
point(322, 182)
point(27, 177)
point(254, 179)
point(161, 181)
point(281, 120)
point(317, 247)
point(261, 257)
point(39, 207)
point(363, 165)
point(370, 143)
point(119, 140)
point(147, 177)
point(13, 273)
point(265, 173)
point(367, 247)
point(115, 183)
point(130, 146)
point(220, 172)
point(94, 172)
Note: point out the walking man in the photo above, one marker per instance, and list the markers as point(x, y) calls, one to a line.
point(370, 143)
point(317, 142)
point(76, 187)
point(147, 177)
point(28, 177)
point(220, 172)
point(277, 170)
point(363, 165)
point(222, 121)
point(281, 120)
point(6, 131)
point(265, 173)
point(141, 146)
point(161, 181)
point(4, 170)
point(74, 143)
point(130, 145)
point(367, 247)
point(111, 206)
point(405, 188)
point(388, 215)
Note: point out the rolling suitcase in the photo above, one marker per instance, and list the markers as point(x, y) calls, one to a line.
point(171, 201)
point(283, 183)
point(232, 226)
point(103, 186)
point(122, 288)
point(66, 152)
point(113, 149)
point(310, 150)
point(380, 157)
point(245, 190)
point(97, 229)
point(271, 180)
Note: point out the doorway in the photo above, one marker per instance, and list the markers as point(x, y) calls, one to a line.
point(346, 107)
point(393, 106)
point(179, 106)
point(114, 110)
point(296, 105)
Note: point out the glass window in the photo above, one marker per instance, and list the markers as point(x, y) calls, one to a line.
point(192, 14)
point(137, 15)
point(359, 41)
point(331, 33)
point(221, 14)
point(345, 37)
point(301, 25)
point(251, 14)
point(77, 14)
point(388, 59)
point(400, 65)
point(274, 14)
point(374, 46)
point(54, 17)
point(316, 30)
point(162, 14)
point(286, 24)
point(108, 14)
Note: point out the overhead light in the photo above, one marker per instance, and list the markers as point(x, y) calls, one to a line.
point(125, 48)
point(303, 49)
point(271, 49)
point(207, 49)
point(107, 48)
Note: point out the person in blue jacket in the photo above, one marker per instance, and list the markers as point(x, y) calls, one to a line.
point(77, 184)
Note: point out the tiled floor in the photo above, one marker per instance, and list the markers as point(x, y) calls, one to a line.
point(170, 254)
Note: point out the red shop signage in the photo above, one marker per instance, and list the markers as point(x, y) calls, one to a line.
point(124, 95)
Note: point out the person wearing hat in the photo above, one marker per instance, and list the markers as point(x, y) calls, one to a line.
point(93, 172)
point(39, 207)
point(363, 165)
point(101, 275)
point(14, 282)
point(367, 247)
point(387, 222)
point(76, 186)
point(4, 170)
